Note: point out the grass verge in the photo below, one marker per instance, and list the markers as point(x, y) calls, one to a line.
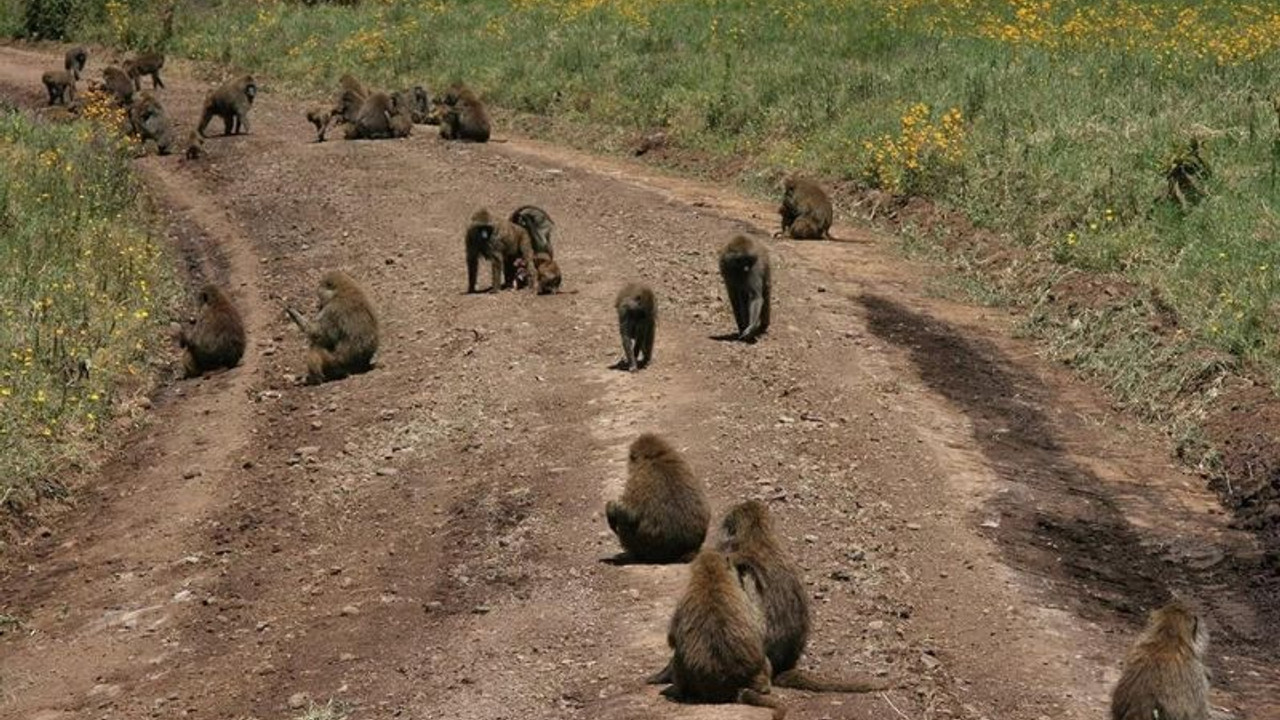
point(86, 284)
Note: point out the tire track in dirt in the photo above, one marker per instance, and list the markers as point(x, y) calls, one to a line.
point(424, 540)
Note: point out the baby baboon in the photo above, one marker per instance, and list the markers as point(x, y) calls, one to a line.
point(343, 335)
point(538, 224)
point(416, 102)
point(662, 515)
point(217, 338)
point(805, 210)
point(195, 146)
point(118, 84)
point(1164, 675)
point(637, 320)
point(716, 641)
point(377, 119)
point(748, 539)
point(320, 117)
point(61, 85)
point(464, 116)
point(147, 120)
point(231, 102)
point(148, 63)
point(74, 61)
point(744, 265)
point(501, 242)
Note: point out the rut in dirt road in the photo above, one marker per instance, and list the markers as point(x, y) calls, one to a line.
point(426, 540)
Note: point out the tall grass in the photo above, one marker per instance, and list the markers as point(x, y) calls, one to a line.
point(85, 283)
point(1051, 121)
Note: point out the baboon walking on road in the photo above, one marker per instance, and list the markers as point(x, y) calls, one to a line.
point(217, 339)
point(744, 266)
point(637, 324)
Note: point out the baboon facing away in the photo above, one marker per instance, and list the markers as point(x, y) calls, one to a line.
point(663, 514)
point(231, 102)
point(637, 324)
point(806, 210)
point(538, 224)
point(464, 116)
point(501, 242)
point(744, 265)
point(61, 86)
point(147, 120)
point(416, 102)
point(716, 641)
point(117, 83)
point(217, 339)
point(747, 538)
point(1164, 673)
point(75, 60)
point(148, 63)
point(344, 333)
point(320, 118)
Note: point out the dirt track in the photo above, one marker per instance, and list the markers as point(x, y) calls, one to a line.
point(424, 541)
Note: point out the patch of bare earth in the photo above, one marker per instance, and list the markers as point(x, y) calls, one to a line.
point(425, 540)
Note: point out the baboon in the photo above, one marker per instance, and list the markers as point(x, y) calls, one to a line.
point(806, 210)
point(344, 333)
point(1164, 674)
point(148, 63)
point(416, 102)
point(321, 119)
point(401, 123)
point(231, 102)
point(351, 96)
point(195, 146)
point(74, 61)
point(378, 119)
point(464, 116)
point(747, 538)
point(663, 514)
point(637, 320)
point(538, 224)
point(61, 85)
point(548, 270)
point(348, 82)
point(118, 84)
point(147, 120)
point(744, 265)
point(217, 338)
point(716, 641)
point(501, 242)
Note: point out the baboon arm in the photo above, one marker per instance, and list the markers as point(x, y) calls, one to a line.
point(301, 322)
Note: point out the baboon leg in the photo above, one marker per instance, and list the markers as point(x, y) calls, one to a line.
point(473, 268)
point(204, 123)
point(753, 315)
point(242, 124)
point(535, 282)
point(628, 348)
point(747, 696)
point(661, 677)
point(739, 302)
point(646, 345)
point(155, 81)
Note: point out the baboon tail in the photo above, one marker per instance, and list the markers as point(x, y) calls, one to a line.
point(801, 680)
point(747, 696)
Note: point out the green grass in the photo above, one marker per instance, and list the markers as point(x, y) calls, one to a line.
point(85, 283)
point(1052, 125)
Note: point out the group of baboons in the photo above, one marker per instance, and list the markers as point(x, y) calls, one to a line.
point(743, 621)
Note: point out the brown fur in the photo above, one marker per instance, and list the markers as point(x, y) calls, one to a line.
point(637, 325)
point(61, 85)
point(344, 333)
point(416, 102)
point(464, 116)
point(320, 118)
point(148, 121)
point(195, 146)
point(145, 64)
point(716, 641)
point(663, 514)
point(806, 210)
point(1164, 673)
point(744, 266)
point(538, 224)
point(502, 243)
point(217, 339)
point(118, 84)
point(748, 539)
point(231, 102)
point(75, 60)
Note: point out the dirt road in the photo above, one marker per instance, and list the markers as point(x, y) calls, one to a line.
point(424, 541)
